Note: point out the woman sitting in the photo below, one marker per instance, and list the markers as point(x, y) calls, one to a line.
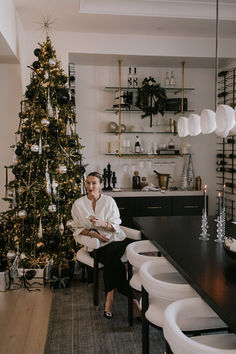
point(97, 215)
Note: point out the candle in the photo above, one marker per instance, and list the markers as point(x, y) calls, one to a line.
point(205, 187)
point(223, 204)
point(219, 203)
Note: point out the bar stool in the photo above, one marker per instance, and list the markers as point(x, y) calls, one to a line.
point(84, 258)
point(137, 253)
point(194, 312)
point(161, 285)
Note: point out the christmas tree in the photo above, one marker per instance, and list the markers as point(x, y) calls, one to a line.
point(47, 170)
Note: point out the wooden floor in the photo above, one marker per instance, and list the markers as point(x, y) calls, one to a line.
point(24, 321)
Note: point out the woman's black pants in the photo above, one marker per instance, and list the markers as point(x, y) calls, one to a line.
point(114, 272)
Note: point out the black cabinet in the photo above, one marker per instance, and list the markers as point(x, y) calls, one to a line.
point(153, 206)
point(188, 205)
point(130, 207)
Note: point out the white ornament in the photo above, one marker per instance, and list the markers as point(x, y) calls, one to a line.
point(23, 256)
point(45, 122)
point(61, 228)
point(22, 214)
point(46, 75)
point(62, 169)
point(49, 106)
point(69, 224)
point(11, 255)
point(54, 187)
point(34, 148)
point(52, 208)
point(40, 234)
point(40, 146)
point(52, 62)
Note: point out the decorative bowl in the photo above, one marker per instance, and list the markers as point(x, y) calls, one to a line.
point(230, 247)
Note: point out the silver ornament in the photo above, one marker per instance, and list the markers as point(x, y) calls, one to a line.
point(62, 169)
point(40, 146)
point(22, 214)
point(45, 122)
point(40, 232)
point(34, 148)
point(69, 224)
point(52, 208)
point(52, 62)
point(68, 128)
point(11, 255)
point(46, 75)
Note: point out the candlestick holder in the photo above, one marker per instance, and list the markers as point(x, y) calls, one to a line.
point(220, 227)
point(204, 235)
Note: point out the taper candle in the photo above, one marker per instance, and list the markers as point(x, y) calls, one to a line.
point(223, 201)
point(205, 187)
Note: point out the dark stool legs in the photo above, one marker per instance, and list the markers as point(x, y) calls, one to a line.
point(130, 300)
point(95, 280)
point(145, 323)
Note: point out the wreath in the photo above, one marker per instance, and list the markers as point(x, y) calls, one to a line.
point(151, 98)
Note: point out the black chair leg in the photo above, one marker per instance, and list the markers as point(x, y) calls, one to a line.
point(95, 282)
point(145, 323)
point(130, 300)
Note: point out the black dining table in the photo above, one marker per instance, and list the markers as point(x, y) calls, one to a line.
point(204, 264)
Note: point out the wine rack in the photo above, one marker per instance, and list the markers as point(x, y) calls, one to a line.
point(226, 151)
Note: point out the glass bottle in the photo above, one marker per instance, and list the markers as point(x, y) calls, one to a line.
point(137, 146)
point(130, 78)
point(167, 80)
point(135, 78)
point(172, 79)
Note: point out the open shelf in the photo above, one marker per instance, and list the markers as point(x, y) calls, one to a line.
point(140, 111)
point(175, 90)
point(142, 132)
point(146, 155)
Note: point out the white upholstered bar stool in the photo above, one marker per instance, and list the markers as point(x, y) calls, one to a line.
point(195, 312)
point(161, 285)
point(137, 253)
point(93, 244)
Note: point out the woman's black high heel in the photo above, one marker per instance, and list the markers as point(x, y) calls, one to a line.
point(108, 315)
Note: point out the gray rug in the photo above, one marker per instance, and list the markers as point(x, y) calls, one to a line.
point(76, 328)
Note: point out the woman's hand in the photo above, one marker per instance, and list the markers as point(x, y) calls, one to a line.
point(99, 236)
point(97, 222)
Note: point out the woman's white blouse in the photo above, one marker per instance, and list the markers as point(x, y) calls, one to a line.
point(106, 210)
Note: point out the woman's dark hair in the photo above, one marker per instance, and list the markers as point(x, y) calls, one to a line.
point(96, 174)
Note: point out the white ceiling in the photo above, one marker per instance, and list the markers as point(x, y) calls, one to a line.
point(149, 17)
point(184, 18)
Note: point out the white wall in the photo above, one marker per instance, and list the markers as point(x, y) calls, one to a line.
point(10, 88)
point(92, 100)
point(8, 23)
